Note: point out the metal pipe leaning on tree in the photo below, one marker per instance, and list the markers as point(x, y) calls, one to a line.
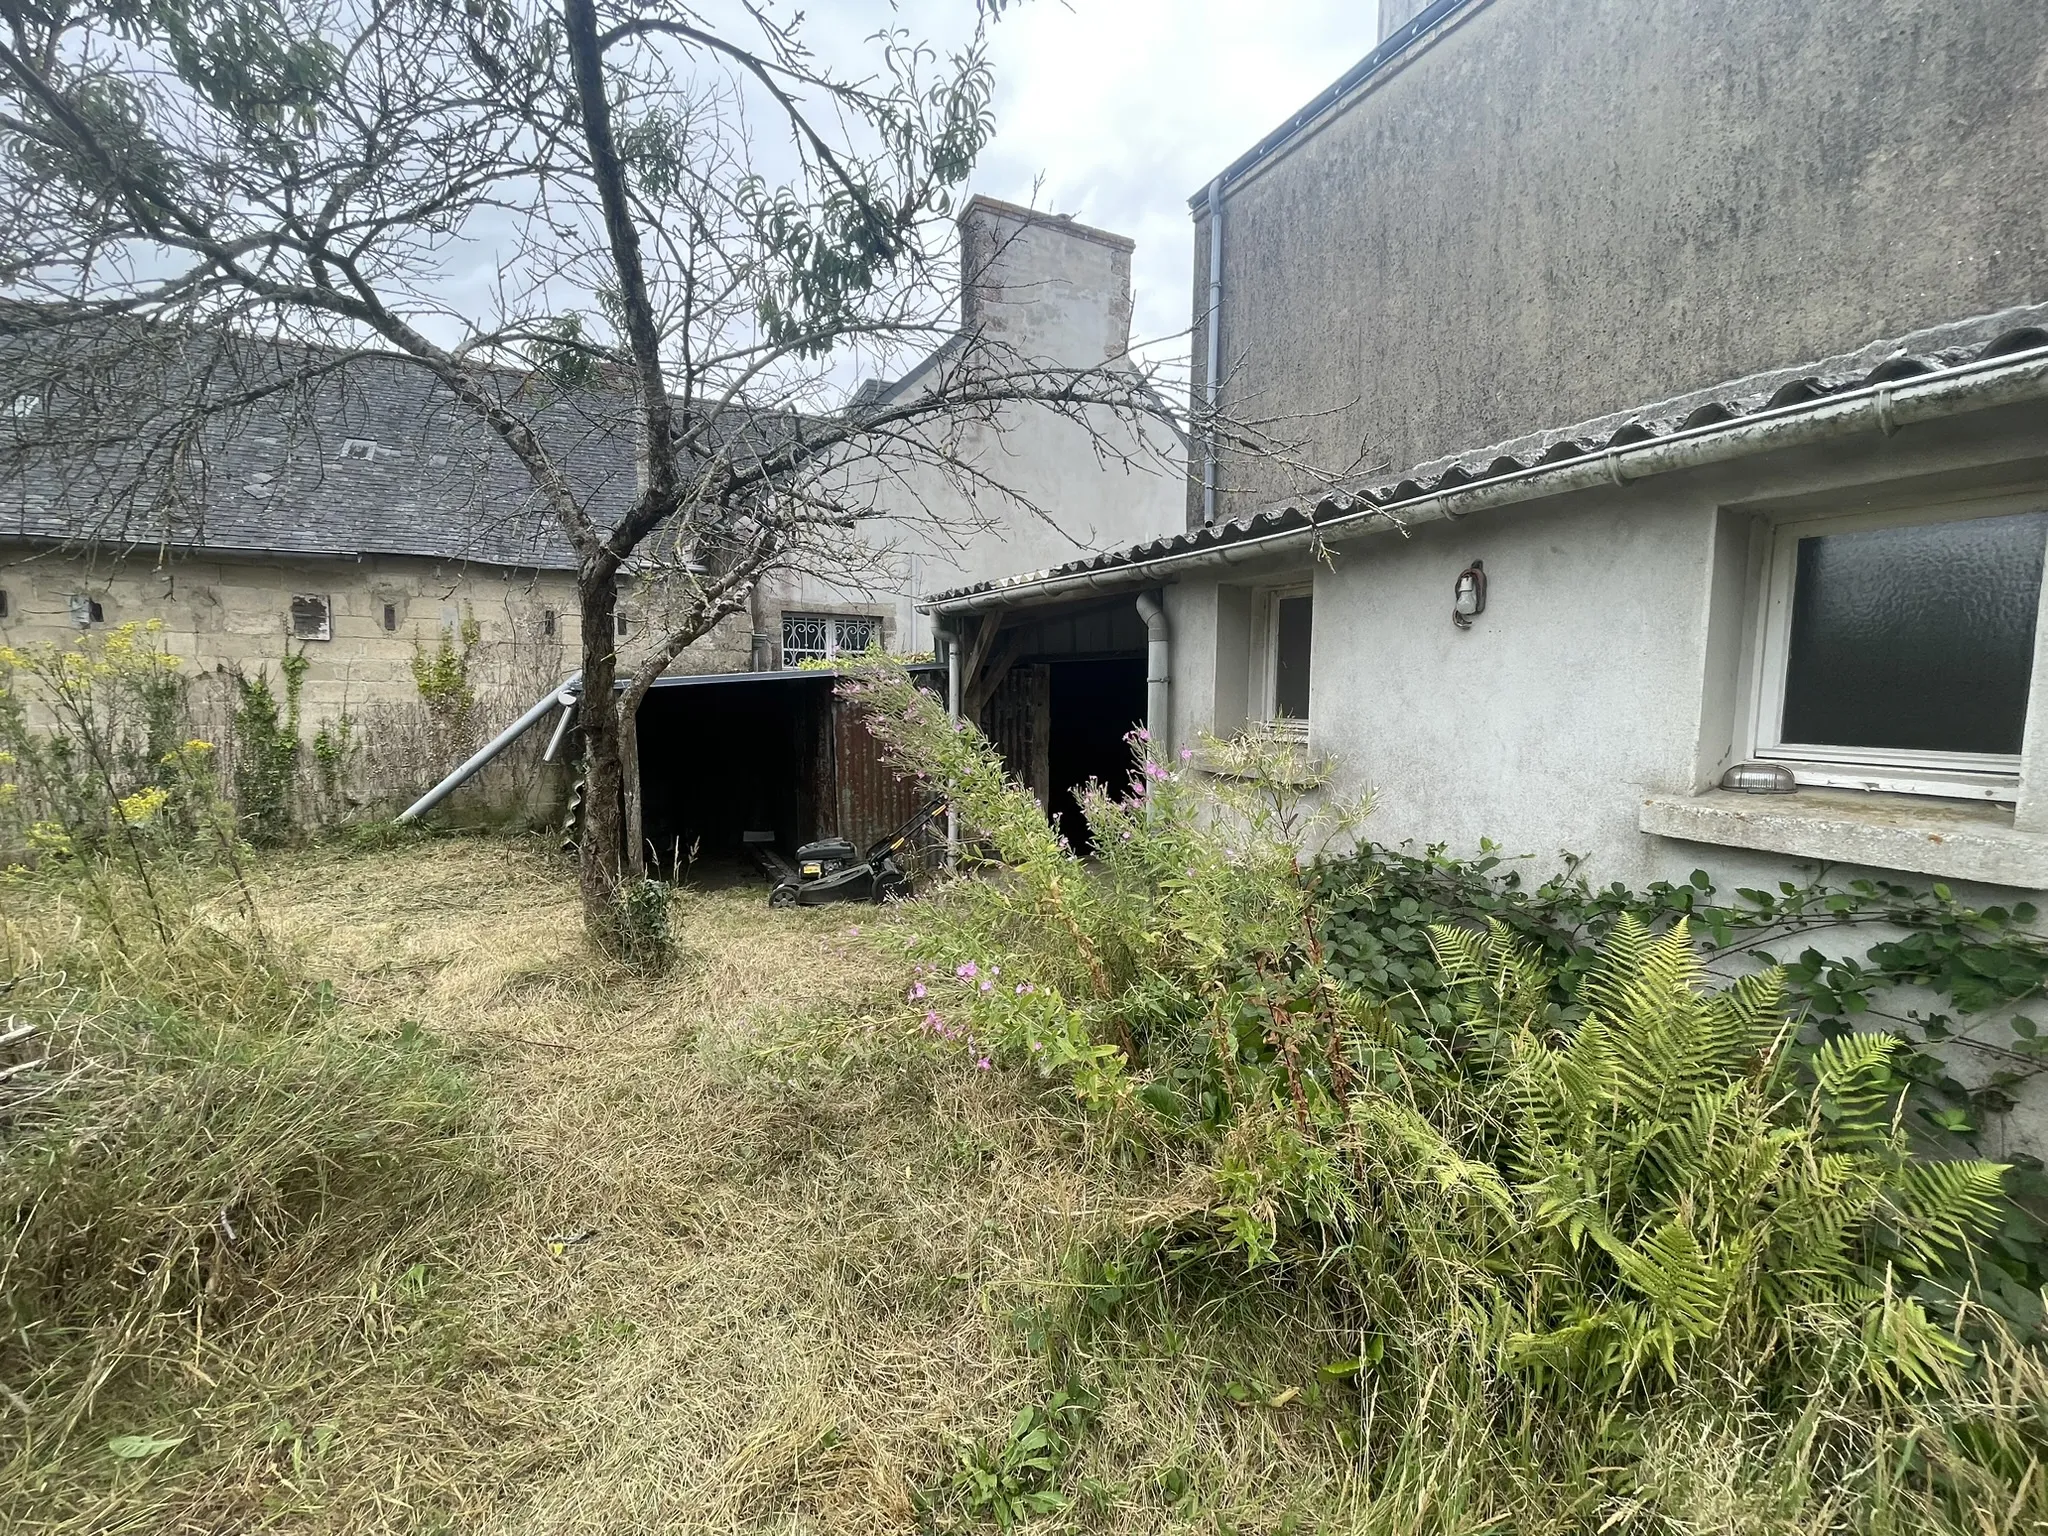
point(562, 697)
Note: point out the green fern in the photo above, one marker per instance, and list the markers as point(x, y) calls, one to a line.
point(1682, 1192)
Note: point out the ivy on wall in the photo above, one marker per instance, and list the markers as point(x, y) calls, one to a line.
point(1856, 955)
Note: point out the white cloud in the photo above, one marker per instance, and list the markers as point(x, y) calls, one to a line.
point(1126, 108)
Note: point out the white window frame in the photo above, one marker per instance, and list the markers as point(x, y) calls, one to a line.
point(835, 645)
point(1266, 661)
point(1951, 775)
point(326, 615)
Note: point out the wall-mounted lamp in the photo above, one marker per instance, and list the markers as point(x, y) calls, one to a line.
point(1470, 594)
point(1760, 779)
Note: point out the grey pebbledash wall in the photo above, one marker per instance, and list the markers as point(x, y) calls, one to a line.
point(1548, 210)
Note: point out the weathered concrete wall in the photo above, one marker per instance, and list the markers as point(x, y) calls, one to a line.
point(1610, 663)
point(1553, 209)
point(1610, 668)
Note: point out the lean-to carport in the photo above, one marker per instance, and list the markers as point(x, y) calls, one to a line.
point(777, 757)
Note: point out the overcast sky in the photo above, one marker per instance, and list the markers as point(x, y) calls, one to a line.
point(1127, 107)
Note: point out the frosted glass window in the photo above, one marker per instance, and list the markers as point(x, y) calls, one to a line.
point(1915, 638)
point(1292, 632)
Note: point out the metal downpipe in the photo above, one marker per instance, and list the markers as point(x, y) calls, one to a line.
point(1212, 383)
point(1158, 676)
point(952, 638)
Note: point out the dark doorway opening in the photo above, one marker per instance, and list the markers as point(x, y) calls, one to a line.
point(718, 762)
point(1094, 705)
point(734, 761)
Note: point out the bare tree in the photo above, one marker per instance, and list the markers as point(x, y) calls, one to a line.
point(690, 231)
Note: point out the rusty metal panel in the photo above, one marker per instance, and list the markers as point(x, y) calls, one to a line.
point(813, 741)
point(873, 799)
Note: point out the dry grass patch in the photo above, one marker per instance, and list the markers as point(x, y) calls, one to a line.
point(761, 1258)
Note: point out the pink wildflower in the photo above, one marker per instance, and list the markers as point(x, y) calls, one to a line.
point(988, 986)
point(981, 1065)
point(967, 970)
point(916, 990)
point(1187, 754)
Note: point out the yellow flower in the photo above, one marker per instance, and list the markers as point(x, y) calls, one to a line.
point(196, 745)
point(141, 807)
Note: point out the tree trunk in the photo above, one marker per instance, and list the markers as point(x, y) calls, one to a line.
point(633, 863)
point(603, 869)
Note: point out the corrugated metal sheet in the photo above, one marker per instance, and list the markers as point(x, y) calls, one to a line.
point(1778, 391)
point(873, 800)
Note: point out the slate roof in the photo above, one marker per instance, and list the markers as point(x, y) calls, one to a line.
point(375, 458)
point(1990, 337)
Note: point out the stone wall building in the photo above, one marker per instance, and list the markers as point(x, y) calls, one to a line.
point(368, 522)
point(358, 526)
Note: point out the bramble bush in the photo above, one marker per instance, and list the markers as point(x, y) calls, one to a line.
point(1515, 1141)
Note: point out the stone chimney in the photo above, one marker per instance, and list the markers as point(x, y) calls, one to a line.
point(1055, 290)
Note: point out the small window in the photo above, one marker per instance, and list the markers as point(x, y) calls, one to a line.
point(1283, 668)
point(827, 636)
point(391, 618)
point(359, 448)
point(547, 622)
point(1292, 627)
point(852, 636)
point(3, 602)
point(86, 611)
point(310, 618)
point(1898, 652)
point(622, 626)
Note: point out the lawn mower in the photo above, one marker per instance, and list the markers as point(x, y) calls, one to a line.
point(832, 869)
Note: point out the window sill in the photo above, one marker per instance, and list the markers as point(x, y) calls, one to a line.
point(1950, 839)
point(1281, 759)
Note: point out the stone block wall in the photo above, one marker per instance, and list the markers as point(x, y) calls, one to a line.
point(222, 613)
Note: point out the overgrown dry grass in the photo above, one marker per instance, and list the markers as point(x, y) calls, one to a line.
point(756, 1257)
point(740, 1249)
